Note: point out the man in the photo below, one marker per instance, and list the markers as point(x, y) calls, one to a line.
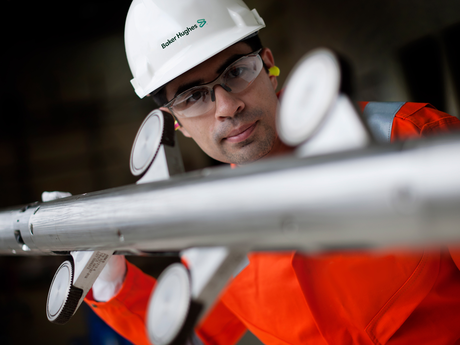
point(226, 102)
point(241, 129)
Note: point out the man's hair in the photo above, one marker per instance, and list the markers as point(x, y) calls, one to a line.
point(253, 41)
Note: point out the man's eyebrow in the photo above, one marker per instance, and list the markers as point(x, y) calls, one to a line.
point(187, 86)
point(219, 71)
point(228, 62)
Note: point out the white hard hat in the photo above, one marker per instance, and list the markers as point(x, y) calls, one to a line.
point(165, 38)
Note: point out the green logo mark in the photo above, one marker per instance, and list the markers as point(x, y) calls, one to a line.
point(202, 22)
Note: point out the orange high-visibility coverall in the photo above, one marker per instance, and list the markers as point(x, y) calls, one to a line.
point(333, 298)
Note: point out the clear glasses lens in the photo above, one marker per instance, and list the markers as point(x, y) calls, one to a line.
point(242, 73)
point(193, 102)
point(237, 77)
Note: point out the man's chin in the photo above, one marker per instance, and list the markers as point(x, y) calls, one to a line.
point(248, 153)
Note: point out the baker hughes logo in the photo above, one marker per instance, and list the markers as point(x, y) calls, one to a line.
point(186, 32)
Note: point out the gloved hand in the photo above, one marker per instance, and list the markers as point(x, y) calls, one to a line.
point(112, 276)
point(111, 279)
point(49, 196)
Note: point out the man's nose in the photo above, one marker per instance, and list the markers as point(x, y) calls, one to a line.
point(227, 104)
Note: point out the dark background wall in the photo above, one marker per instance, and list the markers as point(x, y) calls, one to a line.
point(69, 114)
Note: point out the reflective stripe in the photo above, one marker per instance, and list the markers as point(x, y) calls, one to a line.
point(379, 116)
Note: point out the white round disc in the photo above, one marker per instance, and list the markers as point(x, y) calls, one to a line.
point(59, 290)
point(147, 142)
point(311, 89)
point(169, 305)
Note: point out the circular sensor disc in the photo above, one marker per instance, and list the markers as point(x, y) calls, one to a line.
point(59, 290)
point(311, 89)
point(169, 305)
point(147, 142)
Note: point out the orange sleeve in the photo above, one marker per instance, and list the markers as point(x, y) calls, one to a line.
point(126, 311)
point(220, 327)
point(416, 120)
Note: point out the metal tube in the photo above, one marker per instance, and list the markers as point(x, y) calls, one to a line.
point(381, 196)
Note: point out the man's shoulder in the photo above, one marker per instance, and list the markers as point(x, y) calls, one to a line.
point(428, 119)
point(414, 119)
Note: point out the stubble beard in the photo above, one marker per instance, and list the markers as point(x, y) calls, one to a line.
point(253, 148)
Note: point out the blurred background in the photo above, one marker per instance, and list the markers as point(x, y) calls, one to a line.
point(69, 114)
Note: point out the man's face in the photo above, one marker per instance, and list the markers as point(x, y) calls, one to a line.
point(241, 128)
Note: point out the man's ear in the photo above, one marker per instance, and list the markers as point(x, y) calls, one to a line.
point(267, 56)
point(182, 129)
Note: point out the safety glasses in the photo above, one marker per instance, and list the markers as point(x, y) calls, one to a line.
point(200, 99)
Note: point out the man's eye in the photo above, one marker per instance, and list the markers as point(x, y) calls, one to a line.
point(237, 71)
point(187, 100)
point(195, 97)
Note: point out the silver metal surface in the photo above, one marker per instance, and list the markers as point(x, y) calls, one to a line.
point(374, 197)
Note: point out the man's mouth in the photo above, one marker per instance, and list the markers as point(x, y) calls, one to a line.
point(241, 133)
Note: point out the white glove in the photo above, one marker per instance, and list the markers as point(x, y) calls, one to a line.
point(111, 279)
point(49, 196)
point(112, 276)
